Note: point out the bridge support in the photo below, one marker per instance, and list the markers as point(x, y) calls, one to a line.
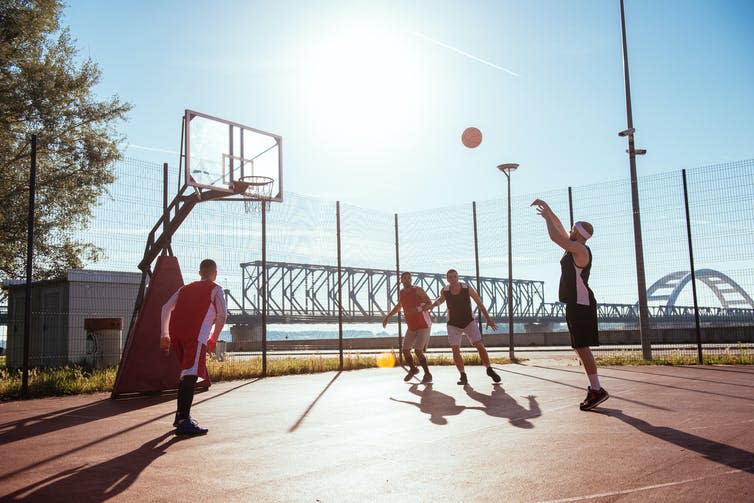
point(246, 336)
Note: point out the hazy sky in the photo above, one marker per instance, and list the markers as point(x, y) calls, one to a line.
point(371, 97)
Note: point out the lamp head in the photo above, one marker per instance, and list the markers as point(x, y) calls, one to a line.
point(508, 167)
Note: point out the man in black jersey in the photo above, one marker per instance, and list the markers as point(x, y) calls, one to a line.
point(461, 321)
point(574, 291)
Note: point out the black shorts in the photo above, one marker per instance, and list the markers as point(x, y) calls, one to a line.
point(582, 324)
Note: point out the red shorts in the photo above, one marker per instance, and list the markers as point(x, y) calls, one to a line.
point(191, 357)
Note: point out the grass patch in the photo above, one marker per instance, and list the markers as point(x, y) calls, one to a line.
point(729, 356)
point(68, 380)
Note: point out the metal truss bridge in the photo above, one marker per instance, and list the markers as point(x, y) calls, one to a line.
point(308, 293)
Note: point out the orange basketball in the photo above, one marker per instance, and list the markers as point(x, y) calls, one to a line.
point(471, 137)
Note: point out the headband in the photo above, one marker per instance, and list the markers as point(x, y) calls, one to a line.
point(581, 230)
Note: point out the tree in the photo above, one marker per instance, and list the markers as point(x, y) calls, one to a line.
point(44, 90)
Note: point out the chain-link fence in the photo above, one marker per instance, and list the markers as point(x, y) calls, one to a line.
point(309, 238)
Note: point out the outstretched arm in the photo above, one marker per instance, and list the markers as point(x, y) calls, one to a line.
point(389, 315)
point(426, 301)
point(554, 225)
point(438, 301)
point(558, 234)
point(482, 309)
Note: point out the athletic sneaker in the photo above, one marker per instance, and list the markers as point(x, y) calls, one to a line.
point(594, 398)
point(190, 427)
point(411, 373)
point(463, 380)
point(493, 374)
point(427, 378)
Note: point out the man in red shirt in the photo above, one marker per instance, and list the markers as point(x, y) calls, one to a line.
point(414, 301)
point(189, 316)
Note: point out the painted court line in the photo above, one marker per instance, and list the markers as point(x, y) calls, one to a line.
point(748, 469)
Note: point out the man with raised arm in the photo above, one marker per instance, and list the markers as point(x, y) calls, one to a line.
point(574, 291)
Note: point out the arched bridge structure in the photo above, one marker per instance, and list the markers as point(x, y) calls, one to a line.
point(730, 294)
point(308, 293)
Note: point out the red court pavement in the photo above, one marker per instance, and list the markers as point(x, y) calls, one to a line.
point(666, 434)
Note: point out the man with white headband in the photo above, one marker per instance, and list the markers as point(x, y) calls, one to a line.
point(574, 291)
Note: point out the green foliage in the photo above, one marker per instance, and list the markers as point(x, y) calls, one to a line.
point(45, 90)
point(69, 380)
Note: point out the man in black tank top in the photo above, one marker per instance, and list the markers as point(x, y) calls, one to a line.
point(574, 291)
point(461, 321)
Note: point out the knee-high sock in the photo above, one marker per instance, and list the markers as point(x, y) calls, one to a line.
point(423, 363)
point(186, 396)
point(409, 358)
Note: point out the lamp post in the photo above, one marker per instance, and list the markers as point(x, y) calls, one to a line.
point(638, 246)
point(507, 169)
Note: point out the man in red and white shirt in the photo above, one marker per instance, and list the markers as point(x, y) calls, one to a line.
point(187, 328)
point(414, 301)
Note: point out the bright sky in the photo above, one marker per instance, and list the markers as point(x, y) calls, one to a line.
point(371, 97)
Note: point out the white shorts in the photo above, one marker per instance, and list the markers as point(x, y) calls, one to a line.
point(471, 330)
point(417, 339)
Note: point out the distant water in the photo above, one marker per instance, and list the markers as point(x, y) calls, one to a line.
point(330, 331)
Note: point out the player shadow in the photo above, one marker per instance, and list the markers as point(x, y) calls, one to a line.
point(633, 370)
point(561, 383)
point(500, 404)
point(96, 482)
point(311, 405)
point(714, 451)
point(433, 403)
point(100, 409)
point(642, 381)
point(58, 420)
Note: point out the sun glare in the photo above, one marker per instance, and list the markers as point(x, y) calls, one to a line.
point(362, 84)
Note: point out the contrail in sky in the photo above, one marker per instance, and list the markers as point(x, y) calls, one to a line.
point(152, 149)
point(437, 42)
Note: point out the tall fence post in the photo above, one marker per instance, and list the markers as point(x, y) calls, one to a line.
point(700, 357)
point(570, 207)
point(397, 288)
point(476, 261)
point(29, 267)
point(264, 288)
point(340, 286)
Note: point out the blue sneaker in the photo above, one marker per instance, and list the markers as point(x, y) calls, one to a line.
point(190, 427)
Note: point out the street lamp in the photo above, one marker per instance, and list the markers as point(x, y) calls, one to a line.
point(507, 169)
point(632, 151)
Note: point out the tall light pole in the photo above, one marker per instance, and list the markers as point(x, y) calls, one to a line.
point(641, 282)
point(507, 169)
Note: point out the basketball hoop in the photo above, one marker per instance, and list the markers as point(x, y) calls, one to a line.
point(256, 191)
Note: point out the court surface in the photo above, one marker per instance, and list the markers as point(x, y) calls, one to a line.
point(666, 434)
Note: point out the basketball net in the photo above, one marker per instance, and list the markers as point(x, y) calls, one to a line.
point(256, 192)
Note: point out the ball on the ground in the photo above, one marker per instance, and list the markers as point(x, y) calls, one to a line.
point(471, 137)
point(385, 360)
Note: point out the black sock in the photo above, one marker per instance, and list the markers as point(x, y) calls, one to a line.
point(186, 396)
point(409, 360)
point(423, 363)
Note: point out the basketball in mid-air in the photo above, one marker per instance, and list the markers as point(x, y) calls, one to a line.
point(471, 137)
point(386, 360)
